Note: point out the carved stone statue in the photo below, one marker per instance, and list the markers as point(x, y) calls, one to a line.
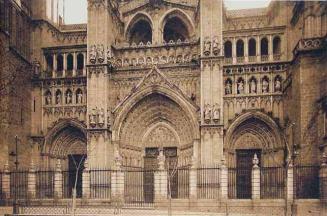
point(58, 98)
point(207, 47)
point(48, 99)
point(278, 85)
point(240, 87)
point(101, 117)
point(161, 160)
point(215, 47)
point(207, 113)
point(265, 86)
point(79, 97)
point(93, 117)
point(228, 88)
point(68, 97)
point(100, 53)
point(93, 54)
point(253, 86)
point(216, 113)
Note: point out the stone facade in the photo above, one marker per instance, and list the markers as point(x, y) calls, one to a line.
point(184, 74)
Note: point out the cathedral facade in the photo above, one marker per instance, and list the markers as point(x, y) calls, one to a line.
point(205, 85)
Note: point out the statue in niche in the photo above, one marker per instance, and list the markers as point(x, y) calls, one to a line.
point(228, 87)
point(215, 46)
point(79, 97)
point(253, 86)
point(58, 98)
point(240, 87)
point(207, 47)
point(68, 97)
point(93, 117)
point(48, 99)
point(207, 113)
point(265, 86)
point(216, 113)
point(100, 52)
point(101, 117)
point(278, 85)
point(93, 54)
point(36, 68)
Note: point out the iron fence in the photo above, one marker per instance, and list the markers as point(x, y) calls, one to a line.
point(183, 183)
point(208, 183)
point(69, 179)
point(45, 184)
point(272, 182)
point(18, 184)
point(239, 183)
point(100, 184)
point(306, 182)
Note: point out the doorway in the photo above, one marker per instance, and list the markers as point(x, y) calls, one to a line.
point(244, 166)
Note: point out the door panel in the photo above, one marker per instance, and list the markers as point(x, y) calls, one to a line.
point(73, 162)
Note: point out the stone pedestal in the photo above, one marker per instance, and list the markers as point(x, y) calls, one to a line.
point(31, 186)
point(323, 179)
point(86, 181)
point(58, 180)
point(290, 182)
point(6, 182)
point(224, 181)
point(160, 179)
point(255, 178)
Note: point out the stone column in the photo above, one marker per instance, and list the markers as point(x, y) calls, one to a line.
point(258, 47)
point(270, 48)
point(323, 179)
point(74, 64)
point(255, 178)
point(161, 180)
point(290, 181)
point(6, 181)
point(84, 67)
point(54, 65)
point(246, 50)
point(224, 179)
point(193, 179)
point(86, 180)
point(234, 50)
point(58, 180)
point(64, 56)
point(31, 181)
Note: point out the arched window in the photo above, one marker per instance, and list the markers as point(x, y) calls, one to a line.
point(69, 96)
point(175, 30)
point(49, 60)
point(80, 61)
point(239, 48)
point(70, 62)
point(252, 47)
point(264, 46)
point(276, 45)
point(58, 97)
point(79, 96)
point(141, 31)
point(228, 49)
point(60, 63)
point(48, 97)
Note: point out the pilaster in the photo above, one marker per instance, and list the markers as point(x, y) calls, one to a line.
point(6, 181)
point(255, 178)
point(31, 181)
point(290, 182)
point(58, 180)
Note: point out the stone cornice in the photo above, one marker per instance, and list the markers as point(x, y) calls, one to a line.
point(310, 45)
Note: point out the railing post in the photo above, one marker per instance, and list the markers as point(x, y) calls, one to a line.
point(31, 182)
point(58, 180)
point(323, 179)
point(255, 178)
point(118, 181)
point(290, 181)
point(86, 180)
point(161, 180)
point(6, 181)
point(193, 179)
point(224, 180)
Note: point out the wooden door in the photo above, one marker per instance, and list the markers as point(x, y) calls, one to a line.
point(150, 165)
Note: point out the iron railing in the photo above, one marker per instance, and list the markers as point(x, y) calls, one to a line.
point(306, 182)
point(100, 184)
point(18, 185)
point(45, 184)
point(208, 183)
point(272, 182)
